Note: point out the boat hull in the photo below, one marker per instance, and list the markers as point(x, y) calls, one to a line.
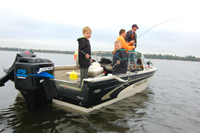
point(105, 92)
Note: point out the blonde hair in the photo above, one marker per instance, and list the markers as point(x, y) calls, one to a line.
point(117, 42)
point(87, 28)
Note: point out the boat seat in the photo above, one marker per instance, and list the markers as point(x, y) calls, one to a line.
point(106, 66)
point(94, 71)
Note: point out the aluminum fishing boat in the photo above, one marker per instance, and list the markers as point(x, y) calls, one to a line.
point(41, 82)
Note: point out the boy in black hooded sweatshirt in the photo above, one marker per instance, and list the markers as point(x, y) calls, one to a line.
point(84, 52)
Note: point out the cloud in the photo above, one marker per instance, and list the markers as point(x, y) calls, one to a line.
point(60, 24)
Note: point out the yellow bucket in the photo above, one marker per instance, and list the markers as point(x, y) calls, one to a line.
point(73, 76)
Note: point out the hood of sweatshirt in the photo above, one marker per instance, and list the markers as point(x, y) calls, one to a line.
point(81, 38)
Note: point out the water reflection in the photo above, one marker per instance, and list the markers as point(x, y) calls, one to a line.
point(118, 117)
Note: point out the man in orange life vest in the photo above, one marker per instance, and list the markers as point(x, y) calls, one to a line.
point(124, 44)
point(132, 36)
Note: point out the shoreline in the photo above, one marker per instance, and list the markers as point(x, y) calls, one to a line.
point(72, 52)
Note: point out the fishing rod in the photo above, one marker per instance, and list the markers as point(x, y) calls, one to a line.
point(116, 63)
point(157, 25)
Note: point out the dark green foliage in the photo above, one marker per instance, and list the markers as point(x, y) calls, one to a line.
point(171, 57)
point(148, 56)
point(36, 50)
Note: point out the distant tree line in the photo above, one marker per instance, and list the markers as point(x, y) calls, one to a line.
point(149, 56)
point(171, 57)
point(36, 50)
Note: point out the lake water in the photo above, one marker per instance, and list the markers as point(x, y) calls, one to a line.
point(170, 104)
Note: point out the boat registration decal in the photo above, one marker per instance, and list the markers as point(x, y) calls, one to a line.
point(139, 83)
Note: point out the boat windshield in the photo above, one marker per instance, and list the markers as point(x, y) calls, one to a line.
point(144, 63)
point(134, 58)
point(98, 55)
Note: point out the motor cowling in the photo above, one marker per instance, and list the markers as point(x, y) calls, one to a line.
point(10, 72)
point(29, 74)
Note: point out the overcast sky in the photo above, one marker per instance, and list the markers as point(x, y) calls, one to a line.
point(46, 24)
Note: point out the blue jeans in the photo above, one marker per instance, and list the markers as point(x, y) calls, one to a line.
point(132, 56)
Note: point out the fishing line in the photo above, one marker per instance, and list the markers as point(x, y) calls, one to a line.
point(157, 25)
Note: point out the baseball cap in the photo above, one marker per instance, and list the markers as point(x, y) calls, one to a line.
point(135, 25)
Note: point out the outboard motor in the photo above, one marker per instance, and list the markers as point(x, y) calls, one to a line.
point(32, 77)
point(10, 73)
point(30, 74)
